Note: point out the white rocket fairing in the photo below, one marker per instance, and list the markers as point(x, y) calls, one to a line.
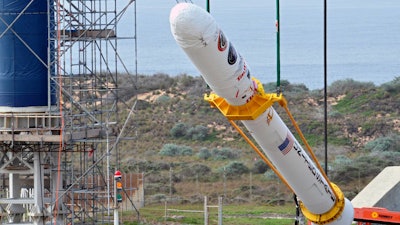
point(228, 75)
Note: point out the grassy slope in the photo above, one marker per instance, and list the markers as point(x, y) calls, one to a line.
point(358, 113)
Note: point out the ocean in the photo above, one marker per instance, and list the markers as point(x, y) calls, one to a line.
point(363, 39)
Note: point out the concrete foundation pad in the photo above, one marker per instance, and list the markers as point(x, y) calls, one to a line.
point(383, 191)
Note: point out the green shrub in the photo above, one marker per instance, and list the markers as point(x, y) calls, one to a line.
point(170, 150)
point(286, 86)
point(384, 144)
point(342, 160)
point(392, 86)
point(234, 169)
point(186, 150)
point(142, 105)
point(260, 167)
point(341, 87)
point(390, 158)
point(179, 130)
point(204, 153)
point(198, 132)
point(163, 99)
point(224, 153)
point(363, 166)
point(175, 150)
point(158, 198)
point(194, 86)
point(146, 166)
point(335, 114)
point(270, 175)
point(195, 171)
point(348, 85)
point(156, 82)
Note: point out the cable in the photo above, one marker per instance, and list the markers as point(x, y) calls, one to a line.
point(278, 53)
point(325, 91)
point(296, 202)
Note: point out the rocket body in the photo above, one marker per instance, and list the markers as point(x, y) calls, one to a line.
point(228, 75)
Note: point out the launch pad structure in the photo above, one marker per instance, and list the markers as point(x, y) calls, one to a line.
point(57, 160)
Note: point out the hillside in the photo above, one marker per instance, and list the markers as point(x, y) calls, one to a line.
point(187, 149)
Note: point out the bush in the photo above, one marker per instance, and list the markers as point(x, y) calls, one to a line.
point(390, 158)
point(198, 132)
point(156, 82)
point(170, 150)
point(363, 166)
point(179, 130)
point(146, 166)
point(234, 169)
point(342, 160)
point(392, 86)
point(204, 153)
point(175, 150)
point(271, 175)
point(286, 86)
point(224, 153)
point(384, 144)
point(157, 198)
point(260, 167)
point(196, 171)
point(194, 86)
point(163, 99)
point(348, 85)
point(186, 150)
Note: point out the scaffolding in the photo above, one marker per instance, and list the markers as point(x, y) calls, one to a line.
point(56, 166)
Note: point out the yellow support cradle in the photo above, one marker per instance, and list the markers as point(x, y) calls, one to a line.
point(260, 102)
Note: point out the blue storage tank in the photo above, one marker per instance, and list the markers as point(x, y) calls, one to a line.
point(23, 78)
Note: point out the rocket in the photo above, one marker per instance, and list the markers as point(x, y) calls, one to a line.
point(228, 75)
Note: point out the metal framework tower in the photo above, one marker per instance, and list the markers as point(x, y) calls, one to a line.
point(57, 164)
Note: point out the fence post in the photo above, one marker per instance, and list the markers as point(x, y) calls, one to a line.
point(165, 210)
point(205, 211)
point(220, 210)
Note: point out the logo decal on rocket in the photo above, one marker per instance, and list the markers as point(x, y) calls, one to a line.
point(287, 145)
point(244, 71)
point(270, 116)
point(222, 44)
point(232, 55)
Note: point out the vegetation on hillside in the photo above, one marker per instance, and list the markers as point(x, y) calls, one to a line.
point(188, 149)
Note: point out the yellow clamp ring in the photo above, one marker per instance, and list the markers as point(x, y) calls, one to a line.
point(329, 216)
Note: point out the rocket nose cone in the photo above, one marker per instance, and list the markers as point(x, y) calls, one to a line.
point(191, 25)
point(177, 10)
